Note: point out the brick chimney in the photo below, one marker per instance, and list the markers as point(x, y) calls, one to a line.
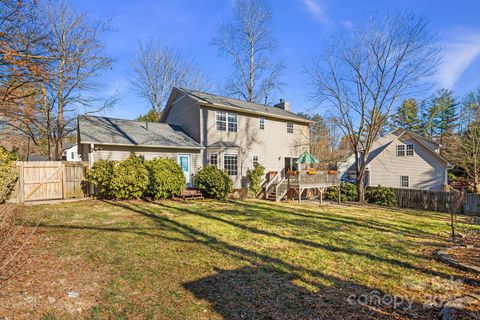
point(283, 105)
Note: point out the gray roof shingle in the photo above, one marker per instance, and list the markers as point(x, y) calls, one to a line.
point(102, 130)
point(209, 98)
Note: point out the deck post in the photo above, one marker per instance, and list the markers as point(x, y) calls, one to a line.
point(339, 195)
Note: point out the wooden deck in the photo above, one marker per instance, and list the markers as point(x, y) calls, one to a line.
point(278, 186)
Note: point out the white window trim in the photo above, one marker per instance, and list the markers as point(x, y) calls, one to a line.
point(406, 150)
point(401, 147)
point(224, 162)
point(261, 122)
point(401, 182)
point(227, 122)
point(210, 159)
point(288, 127)
point(253, 160)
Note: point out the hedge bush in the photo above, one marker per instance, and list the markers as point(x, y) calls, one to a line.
point(382, 196)
point(213, 183)
point(130, 178)
point(348, 192)
point(166, 178)
point(100, 175)
point(8, 172)
point(255, 177)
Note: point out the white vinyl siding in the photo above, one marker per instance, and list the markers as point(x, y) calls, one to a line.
point(425, 170)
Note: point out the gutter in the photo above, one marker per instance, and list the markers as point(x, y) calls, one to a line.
point(266, 114)
point(142, 145)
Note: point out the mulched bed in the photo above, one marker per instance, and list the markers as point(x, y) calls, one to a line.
point(470, 251)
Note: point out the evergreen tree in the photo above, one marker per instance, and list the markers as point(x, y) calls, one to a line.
point(150, 116)
point(407, 116)
point(443, 113)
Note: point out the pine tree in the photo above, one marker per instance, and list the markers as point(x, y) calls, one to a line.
point(407, 116)
point(443, 113)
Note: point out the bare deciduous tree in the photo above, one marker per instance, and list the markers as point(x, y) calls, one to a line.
point(156, 70)
point(464, 151)
point(248, 41)
point(366, 72)
point(77, 57)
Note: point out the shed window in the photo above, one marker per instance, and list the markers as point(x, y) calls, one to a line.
point(405, 181)
point(262, 123)
point(230, 164)
point(410, 149)
point(400, 150)
point(289, 127)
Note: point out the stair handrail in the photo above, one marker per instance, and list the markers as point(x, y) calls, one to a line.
point(276, 188)
point(267, 186)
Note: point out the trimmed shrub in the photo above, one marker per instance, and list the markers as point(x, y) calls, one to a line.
point(166, 178)
point(348, 192)
point(8, 172)
point(255, 177)
point(100, 175)
point(382, 196)
point(213, 183)
point(130, 178)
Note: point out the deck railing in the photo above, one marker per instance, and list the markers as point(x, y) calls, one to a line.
point(319, 179)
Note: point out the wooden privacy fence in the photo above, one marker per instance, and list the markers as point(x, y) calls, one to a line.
point(437, 200)
point(49, 180)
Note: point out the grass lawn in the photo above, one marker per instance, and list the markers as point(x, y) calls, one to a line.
point(236, 260)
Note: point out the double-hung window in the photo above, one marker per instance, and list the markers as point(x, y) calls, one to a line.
point(226, 121)
point(232, 122)
point(405, 181)
point(221, 121)
point(405, 150)
point(289, 127)
point(255, 161)
point(214, 159)
point(230, 164)
point(262, 123)
point(410, 149)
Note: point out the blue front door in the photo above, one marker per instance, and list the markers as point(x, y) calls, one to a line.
point(184, 162)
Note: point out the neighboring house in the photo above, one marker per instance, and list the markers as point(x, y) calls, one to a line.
point(71, 153)
point(198, 129)
point(402, 159)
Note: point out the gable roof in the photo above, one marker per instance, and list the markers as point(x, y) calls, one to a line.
point(227, 103)
point(111, 131)
point(382, 143)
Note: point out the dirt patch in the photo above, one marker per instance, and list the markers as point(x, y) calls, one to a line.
point(49, 284)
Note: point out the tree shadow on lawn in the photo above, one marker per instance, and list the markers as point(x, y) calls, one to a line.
point(354, 221)
point(261, 292)
point(254, 257)
point(348, 249)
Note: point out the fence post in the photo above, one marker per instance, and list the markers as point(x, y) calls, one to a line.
point(64, 181)
point(21, 183)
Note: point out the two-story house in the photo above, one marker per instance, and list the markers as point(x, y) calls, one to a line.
point(402, 159)
point(199, 129)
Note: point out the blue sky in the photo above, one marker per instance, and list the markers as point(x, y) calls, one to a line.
point(301, 26)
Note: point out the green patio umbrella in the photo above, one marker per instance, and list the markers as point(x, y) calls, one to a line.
point(307, 158)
